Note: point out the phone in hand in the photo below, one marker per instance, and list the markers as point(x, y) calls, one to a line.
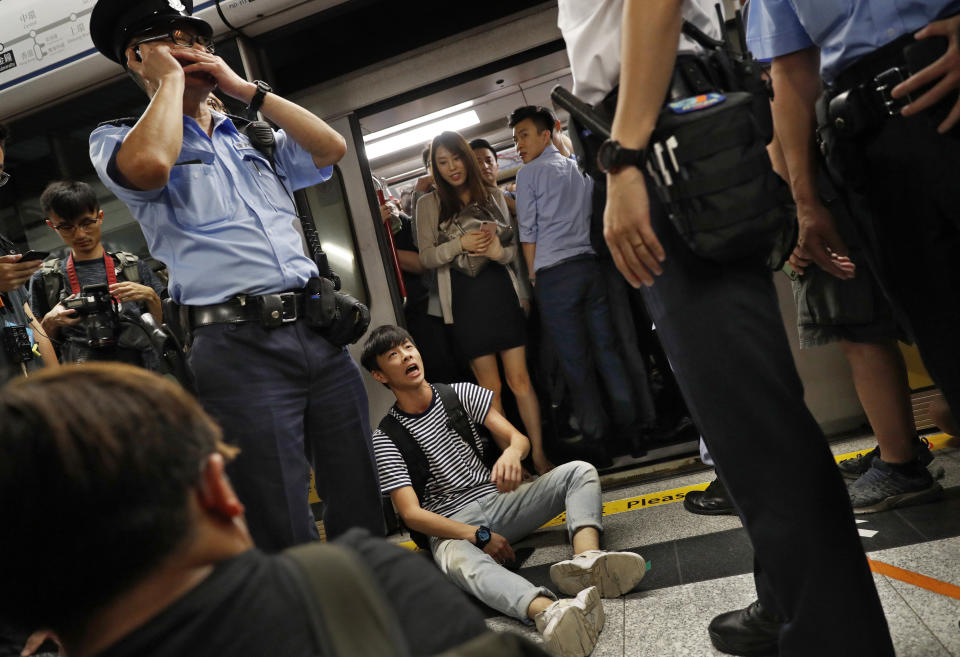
point(489, 227)
point(34, 255)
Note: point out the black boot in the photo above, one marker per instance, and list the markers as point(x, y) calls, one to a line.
point(714, 501)
point(750, 632)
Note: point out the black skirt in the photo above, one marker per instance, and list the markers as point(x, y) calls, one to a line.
point(487, 317)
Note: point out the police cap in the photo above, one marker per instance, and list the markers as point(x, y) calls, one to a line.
point(114, 23)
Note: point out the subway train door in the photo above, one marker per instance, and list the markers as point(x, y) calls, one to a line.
point(360, 257)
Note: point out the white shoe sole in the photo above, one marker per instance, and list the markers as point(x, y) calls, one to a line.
point(614, 574)
point(576, 632)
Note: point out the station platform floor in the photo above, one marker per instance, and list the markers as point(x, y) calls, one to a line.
point(700, 566)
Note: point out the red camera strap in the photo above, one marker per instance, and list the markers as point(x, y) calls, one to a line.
point(75, 280)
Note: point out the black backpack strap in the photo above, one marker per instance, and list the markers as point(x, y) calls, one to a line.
point(459, 421)
point(348, 612)
point(417, 465)
point(457, 418)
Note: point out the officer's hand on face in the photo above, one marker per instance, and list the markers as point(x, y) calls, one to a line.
point(626, 227)
point(499, 548)
point(200, 61)
point(820, 242)
point(129, 291)
point(14, 274)
point(158, 63)
point(946, 70)
point(507, 472)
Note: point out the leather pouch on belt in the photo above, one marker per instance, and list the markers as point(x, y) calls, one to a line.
point(320, 306)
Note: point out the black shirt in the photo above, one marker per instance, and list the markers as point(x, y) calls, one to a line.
point(249, 606)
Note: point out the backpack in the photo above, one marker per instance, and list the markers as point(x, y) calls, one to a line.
point(52, 276)
point(351, 617)
point(417, 465)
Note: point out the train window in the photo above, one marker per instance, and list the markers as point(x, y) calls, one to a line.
point(327, 203)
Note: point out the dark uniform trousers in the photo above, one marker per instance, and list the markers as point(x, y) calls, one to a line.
point(288, 398)
point(910, 197)
point(721, 328)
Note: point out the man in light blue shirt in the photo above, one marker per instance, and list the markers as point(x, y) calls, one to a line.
point(218, 213)
point(554, 204)
point(888, 127)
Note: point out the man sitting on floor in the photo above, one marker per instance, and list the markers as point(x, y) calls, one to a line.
point(429, 456)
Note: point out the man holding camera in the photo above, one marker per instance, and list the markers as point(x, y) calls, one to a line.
point(219, 212)
point(91, 329)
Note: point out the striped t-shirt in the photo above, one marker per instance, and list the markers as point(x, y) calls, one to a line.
point(457, 477)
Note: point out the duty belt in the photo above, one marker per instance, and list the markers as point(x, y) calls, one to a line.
point(271, 310)
point(860, 99)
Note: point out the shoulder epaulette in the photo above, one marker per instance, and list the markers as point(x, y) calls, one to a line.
point(127, 121)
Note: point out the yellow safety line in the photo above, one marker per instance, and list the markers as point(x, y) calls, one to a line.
point(650, 500)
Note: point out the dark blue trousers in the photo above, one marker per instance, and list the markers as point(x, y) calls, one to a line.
point(575, 310)
point(288, 399)
point(721, 328)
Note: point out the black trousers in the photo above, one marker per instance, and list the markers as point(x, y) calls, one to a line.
point(721, 328)
point(289, 399)
point(908, 206)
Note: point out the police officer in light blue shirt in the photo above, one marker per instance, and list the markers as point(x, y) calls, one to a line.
point(213, 209)
point(888, 126)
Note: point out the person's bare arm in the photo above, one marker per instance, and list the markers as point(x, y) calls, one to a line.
point(410, 261)
point(433, 524)
point(151, 148)
point(47, 352)
point(796, 84)
point(529, 253)
point(507, 473)
point(651, 31)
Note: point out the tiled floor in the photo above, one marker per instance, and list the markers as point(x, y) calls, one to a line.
point(667, 616)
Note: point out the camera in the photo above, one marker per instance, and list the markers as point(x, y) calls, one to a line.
point(99, 315)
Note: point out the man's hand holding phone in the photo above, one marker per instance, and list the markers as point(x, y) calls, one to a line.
point(15, 271)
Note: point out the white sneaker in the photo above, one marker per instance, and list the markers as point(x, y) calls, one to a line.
point(570, 627)
point(613, 573)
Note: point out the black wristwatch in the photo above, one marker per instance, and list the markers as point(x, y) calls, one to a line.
point(612, 157)
point(482, 536)
point(257, 101)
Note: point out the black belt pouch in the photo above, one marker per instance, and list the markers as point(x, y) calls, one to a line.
point(723, 196)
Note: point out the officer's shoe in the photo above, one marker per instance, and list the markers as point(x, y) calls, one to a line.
point(853, 468)
point(570, 627)
point(712, 501)
point(885, 486)
point(612, 573)
point(750, 632)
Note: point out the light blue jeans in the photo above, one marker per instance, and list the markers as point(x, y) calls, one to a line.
point(573, 486)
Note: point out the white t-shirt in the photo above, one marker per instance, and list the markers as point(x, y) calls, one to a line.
point(592, 30)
